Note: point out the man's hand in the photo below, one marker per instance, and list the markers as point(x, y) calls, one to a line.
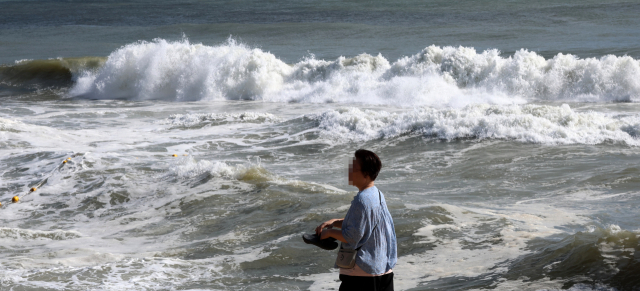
point(334, 233)
point(327, 224)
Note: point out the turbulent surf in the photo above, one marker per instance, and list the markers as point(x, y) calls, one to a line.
point(151, 151)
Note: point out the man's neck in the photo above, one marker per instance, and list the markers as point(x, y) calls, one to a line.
point(362, 188)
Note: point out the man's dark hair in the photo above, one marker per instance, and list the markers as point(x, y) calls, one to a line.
point(370, 164)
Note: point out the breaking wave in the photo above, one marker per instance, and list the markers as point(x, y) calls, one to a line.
point(527, 123)
point(436, 76)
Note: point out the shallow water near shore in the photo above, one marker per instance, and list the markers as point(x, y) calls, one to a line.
point(510, 156)
point(251, 178)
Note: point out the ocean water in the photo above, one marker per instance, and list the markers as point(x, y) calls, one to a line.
point(200, 140)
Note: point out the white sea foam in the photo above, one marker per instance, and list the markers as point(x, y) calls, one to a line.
point(27, 234)
point(188, 167)
point(436, 76)
point(203, 119)
point(546, 284)
point(453, 254)
point(182, 71)
point(526, 123)
point(134, 243)
point(609, 78)
point(22, 61)
point(145, 273)
point(13, 133)
point(464, 247)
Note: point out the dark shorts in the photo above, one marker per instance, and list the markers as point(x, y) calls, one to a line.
point(377, 283)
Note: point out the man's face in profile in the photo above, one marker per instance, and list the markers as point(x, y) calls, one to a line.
point(355, 174)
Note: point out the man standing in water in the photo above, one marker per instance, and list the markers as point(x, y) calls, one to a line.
point(367, 227)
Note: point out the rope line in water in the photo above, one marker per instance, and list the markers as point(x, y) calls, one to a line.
point(35, 187)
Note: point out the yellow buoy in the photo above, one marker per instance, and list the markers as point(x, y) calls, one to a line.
point(34, 189)
point(175, 155)
point(0, 204)
point(69, 158)
point(64, 162)
point(15, 199)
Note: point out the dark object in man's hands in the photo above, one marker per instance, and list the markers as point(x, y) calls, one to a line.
point(314, 239)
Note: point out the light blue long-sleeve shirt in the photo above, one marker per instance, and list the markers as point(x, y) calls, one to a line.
point(379, 245)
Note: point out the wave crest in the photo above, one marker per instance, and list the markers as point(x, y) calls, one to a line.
point(436, 76)
point(38, 74)
point(182, 71)
point(526, 123)
point(609, 78)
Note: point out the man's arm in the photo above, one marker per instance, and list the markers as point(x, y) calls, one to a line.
point(356, 223)
point(334, 233)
